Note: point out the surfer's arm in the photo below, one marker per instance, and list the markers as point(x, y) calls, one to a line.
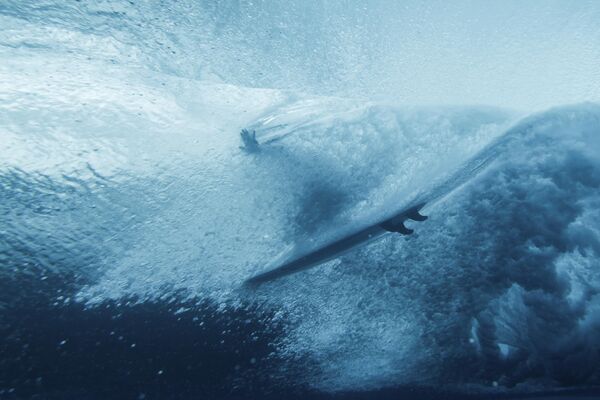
point(251, 145)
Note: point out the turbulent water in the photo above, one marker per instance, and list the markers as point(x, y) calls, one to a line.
point(131, 213)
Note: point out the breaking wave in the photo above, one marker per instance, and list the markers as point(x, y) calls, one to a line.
point(123, 185)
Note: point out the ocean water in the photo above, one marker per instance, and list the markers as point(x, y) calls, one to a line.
point(131, 214)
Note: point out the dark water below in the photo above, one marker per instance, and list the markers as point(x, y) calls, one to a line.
point(171, 349)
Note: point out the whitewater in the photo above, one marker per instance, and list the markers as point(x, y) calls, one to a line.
point(126, 192)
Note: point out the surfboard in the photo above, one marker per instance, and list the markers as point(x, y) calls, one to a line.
point(336, 248)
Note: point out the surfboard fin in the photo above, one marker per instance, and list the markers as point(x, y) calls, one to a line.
point(398, 228)
point(416, 216)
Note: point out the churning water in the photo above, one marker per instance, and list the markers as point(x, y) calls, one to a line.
point(130, 216)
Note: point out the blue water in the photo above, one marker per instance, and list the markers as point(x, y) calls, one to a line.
point(131, 214)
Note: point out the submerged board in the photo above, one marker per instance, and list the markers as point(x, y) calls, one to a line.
point(338, 247)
